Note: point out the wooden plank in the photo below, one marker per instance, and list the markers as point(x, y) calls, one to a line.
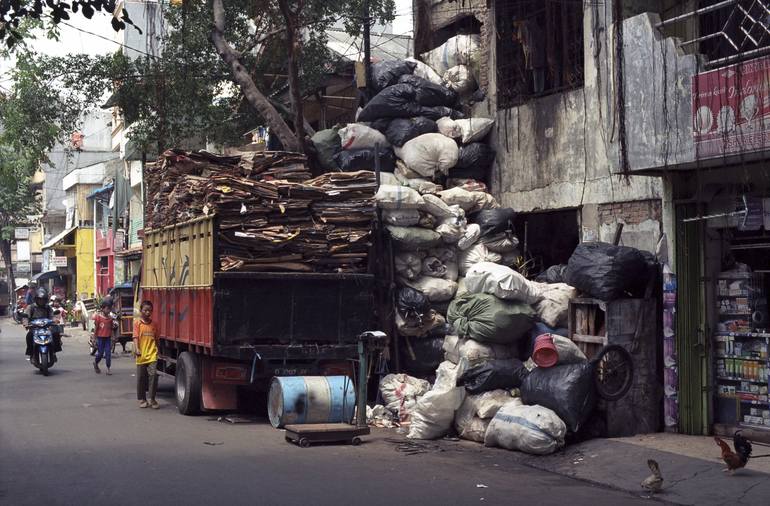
point(585, 338)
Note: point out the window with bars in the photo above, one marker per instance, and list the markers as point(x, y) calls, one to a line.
point(539, 48)
point(725, 31)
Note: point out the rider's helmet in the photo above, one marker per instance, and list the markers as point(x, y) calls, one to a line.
point(41, 297)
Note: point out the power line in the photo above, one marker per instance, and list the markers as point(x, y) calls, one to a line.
point(110, 40)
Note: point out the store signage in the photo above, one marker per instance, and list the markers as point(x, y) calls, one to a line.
point(21, 233)
point(58, 261)
point(23, 267)
point(731, 109)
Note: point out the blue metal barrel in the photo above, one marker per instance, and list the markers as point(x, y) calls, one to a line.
point(310, 399)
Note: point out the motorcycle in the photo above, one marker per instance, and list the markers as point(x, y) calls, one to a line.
point(43, 346)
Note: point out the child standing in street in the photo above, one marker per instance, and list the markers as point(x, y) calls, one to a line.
point(146, 350)
point(103, 325)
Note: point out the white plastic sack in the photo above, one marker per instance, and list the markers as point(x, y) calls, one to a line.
point(460, 79)
point(553, 310)
point(501, 243)
point(502, 282)
point(404, 173)
point(568, 351)
point(423, 186)
point(458, 197)
point(433, 267)
point(435, 289)
point(461, 290)
point(358, 136)
point(459, 50)
point(434, 413)
point(388, 178)
point(413, 238)
point(474, 352)
point(473, 429)
point(428, 154)
point(530, 429)
point(448, 127)
point(469, 238)
point(450, 231)
point(408, 265)
point(476, 254)
point(449, 257)
point(474, 129)
point(397, 197)
point(480, 406)
point(400, 393)
point(483, 200)
point(435, 206)
point(425, 71)
point(401, 217)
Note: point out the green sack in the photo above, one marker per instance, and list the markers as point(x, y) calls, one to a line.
point(414, 238)
point(327, 144)
point(487, 319)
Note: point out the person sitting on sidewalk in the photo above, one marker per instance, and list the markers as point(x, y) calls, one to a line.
point(146, 351)
point(103, 333)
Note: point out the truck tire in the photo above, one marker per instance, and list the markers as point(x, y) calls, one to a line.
point(188, 384)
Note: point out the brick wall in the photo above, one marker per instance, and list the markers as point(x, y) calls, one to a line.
point(630, 213)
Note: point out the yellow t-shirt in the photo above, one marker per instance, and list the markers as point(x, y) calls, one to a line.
point(144, 342)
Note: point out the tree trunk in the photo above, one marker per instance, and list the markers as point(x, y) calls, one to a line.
point(294, 50)
point(241, 76)
point(5, 249)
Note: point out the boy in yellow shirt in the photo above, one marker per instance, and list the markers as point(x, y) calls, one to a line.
point(146, 351)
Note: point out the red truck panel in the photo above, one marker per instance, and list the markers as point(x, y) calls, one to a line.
point(183, 314)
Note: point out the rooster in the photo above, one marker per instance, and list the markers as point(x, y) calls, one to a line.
point(654, 482)
point(738, 458)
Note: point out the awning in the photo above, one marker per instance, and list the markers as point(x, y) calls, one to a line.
point(43, 276)
point(58, 238)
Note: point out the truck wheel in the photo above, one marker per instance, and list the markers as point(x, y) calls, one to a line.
point(188, 384)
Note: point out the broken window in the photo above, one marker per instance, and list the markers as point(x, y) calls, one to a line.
point(539, 49)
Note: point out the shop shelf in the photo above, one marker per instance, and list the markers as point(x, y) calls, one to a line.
point(762, 360)
point(731, 378)
point(744, 401)
point(761, 335)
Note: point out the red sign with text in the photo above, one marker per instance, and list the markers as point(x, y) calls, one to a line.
point(731, 109)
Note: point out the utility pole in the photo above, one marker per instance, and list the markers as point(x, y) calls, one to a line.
point(367, 51)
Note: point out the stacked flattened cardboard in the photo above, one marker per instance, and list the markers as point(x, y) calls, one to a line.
point(272, 215)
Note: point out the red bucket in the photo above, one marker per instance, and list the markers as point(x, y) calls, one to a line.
point(545, 354)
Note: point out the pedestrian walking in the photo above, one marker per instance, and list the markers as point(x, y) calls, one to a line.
point(146, 351)
point(103, 325)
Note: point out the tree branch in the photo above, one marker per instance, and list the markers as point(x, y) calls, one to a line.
point(294, 51)
point(241, 76)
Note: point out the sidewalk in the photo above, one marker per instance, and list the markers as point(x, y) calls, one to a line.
point(691, 468)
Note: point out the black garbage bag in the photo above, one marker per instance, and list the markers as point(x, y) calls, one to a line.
point(439, 111)
point(327, 144)
point(402, 130)
point(493, 374)
point(411, 302)
point(477, 173)
point(381, 125)
point(387, 72)
point(475, 155)
point(553, 274)
point(397, 101)
point(363, 159)
point(428, 354)
point(567, 390)
point(495, 221)
point(606, 271)
point(429, 93)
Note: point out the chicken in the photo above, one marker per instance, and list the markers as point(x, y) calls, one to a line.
point(738, 458)
point(654, 482)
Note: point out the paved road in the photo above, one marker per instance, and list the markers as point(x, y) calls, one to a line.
point(77, 438)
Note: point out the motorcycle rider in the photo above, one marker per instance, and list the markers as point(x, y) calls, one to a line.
point(40, 309)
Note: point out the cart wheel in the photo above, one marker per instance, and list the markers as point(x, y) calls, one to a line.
point(613, 372)
point(355, 441)
point(303, 443)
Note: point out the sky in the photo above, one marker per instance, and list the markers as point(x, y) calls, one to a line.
point(75, 38)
